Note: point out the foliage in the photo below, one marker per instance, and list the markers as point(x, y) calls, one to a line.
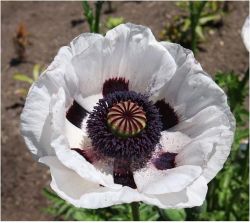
point(112, 22)
point(93, 20)
point(188, 29)
point(228, 197)
point(26, 79)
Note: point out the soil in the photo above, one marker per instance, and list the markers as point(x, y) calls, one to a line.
point(50, 26)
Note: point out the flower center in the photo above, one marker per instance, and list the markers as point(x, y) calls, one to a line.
point(125, 125)
point(126, 119)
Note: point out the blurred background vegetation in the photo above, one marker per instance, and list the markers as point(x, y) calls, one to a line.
point(193, 25)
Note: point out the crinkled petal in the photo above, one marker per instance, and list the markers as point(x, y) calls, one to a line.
point(153, 181)
point(83, 42)
point(174, 141)
point(89, 102)
point(83, 193)
point(74, 135)
point(35, 118)
point(211, 140)
point(129, 51)
point(204, 109)
point(245, 33)
point(86, 194)
point(193, 195)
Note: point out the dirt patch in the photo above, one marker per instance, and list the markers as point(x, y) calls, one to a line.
point(49, 25)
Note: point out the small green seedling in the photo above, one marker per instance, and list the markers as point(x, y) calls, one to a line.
point(112, 22)
point(28, 80)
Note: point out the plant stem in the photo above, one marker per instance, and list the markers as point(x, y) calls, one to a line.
point(98, 8)
point(135, 211)
point(193, 26)
point(246, 165)
point(88, 14)
point(240, 89)
point(162, 214)
point(195, 14)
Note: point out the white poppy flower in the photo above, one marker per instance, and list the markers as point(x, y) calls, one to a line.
point(245, 33)
point(124, 118)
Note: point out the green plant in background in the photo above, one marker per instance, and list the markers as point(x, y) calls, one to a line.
point(112, 22)
point(228, 197)
point(188, 29)
point(93, 19)
point(26, 79)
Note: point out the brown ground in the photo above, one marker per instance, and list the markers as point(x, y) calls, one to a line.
point(49, 25)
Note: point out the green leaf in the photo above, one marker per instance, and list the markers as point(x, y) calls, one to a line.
point(175, 214)
point(22, 77)
point(199, 32)
point(63, 208)
point(21, 92)
point(209, 18)
point(80, 216)
point(186, 25)
point(50, 195)
point(88, 12)
point(112, 22)
point(36, 70)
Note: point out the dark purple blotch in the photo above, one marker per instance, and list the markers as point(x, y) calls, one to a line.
point(114, 84)
point(76, 114)
point(123, 174)
point(169, 117)
point(165, 161)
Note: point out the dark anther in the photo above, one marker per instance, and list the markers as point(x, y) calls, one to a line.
point(76, 114)
point(165, 161)
point(114, 84)
point(122, 173)
point(169, 117)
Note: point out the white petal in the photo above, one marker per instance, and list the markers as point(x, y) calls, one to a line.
point(74, 135)
point(221, 140)
point(153, 181)
point(137, 56)
point(68, 157)
point(191, 86)
point(245, 33)
point(60, 73)
point(89, 102)
point(207, 118)
point(204, 109)
point(35, 118)
point(83, 193)
point(173, 142)
point(193, 195)
point(211, 141)
point(67, 180)
point(35, 122)
point(83, 41)
point(129, 51)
